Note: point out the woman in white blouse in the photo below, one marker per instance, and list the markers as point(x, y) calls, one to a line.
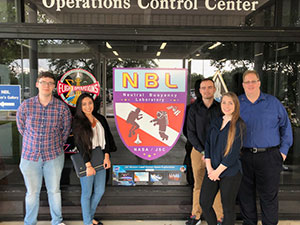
point(91, 131)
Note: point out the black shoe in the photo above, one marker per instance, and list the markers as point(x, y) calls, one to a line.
point(193, 221)
point(98, 222)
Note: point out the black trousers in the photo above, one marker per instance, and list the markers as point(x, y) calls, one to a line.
point(261, 175)
point(188, 162)
point(229, 187)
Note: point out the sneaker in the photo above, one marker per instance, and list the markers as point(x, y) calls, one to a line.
point(193, 221)
point(61, 224)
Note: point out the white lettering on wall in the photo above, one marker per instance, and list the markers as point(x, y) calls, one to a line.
point(77, 3)
point(70, 4)
point(126, 4)
point(231, 5)
point(169, 4)
point(179, 4)
point(52, 2)
point(221, 5)
point(107, 4)
point(86, 4)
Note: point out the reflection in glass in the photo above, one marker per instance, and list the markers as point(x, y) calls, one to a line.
point(8, 11)
point(277, 63)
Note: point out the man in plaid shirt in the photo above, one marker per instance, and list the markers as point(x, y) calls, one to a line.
point(44, 122)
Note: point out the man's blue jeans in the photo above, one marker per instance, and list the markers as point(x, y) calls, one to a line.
point(92, 189)
point(33, 173)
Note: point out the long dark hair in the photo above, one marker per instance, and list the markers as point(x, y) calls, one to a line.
point(82, 127)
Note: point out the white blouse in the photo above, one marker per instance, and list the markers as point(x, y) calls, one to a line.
point(98, 136)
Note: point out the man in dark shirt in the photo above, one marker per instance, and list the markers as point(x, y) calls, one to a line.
point(188, 146)
point(200, 114)
point(265, 147)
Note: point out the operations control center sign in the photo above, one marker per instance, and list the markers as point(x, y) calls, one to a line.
point(149, 107)
point(10, 97)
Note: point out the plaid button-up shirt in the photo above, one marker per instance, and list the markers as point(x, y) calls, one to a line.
point(44, 129)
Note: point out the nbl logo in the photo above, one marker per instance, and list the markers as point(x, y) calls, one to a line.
point(149, 107)
point(75, 82)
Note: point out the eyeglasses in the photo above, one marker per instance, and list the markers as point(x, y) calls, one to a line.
point(44, 83)
point(251, 82)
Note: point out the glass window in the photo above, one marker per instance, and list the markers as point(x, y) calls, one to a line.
point(289, 13)
point(8, 11)
point(21, 61)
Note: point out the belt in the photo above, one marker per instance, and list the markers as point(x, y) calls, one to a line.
point(257, 150)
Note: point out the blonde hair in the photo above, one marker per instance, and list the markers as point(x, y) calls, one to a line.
point(234, 120)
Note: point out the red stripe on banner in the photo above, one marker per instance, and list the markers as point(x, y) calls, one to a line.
point(175, 122)
point(146, 139)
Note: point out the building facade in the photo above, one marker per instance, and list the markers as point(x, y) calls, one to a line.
point(204, 36)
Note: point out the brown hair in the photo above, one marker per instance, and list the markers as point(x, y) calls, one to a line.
point(250, 71)
point(235, 118)
point(46, 74)
point(207, 79)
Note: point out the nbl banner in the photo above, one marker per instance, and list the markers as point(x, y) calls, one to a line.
point(149, 107)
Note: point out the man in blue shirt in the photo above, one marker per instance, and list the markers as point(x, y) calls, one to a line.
point(267, 141)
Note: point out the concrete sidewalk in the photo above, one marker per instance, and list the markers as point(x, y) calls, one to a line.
point(140, 222)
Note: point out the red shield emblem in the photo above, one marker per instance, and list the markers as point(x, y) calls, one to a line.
point(149, 106)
